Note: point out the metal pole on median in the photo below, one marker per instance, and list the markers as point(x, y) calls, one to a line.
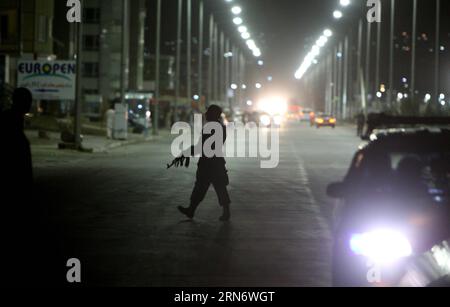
point(345, 81)
point(391, 55)
point(189, 51)
point(200, 49)
point(437, 53)
point(157, 68)
point(359, 59)
point(78, 99)
point(227, 73)
point(368, 49)
point(178, 59)
point(210, 60)
point(413, 51)
point(378, 58)
point(123, 62)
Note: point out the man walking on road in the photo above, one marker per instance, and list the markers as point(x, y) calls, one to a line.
point(211, 171)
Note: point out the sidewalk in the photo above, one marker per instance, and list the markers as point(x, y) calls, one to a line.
point(92, 143)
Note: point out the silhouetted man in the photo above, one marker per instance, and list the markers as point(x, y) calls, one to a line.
point(211, 171)
point(19, 214)
point(360, 122)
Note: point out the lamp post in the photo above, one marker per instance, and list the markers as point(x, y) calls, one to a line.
point(391, 55)
point(368, 49)
point(189, 51)
point(78, 99)
point(378, 58)
point(437, 51)
point(210, 59)
point(178, 59)
point(157, 68)
point(413, 51)
point(200, 48)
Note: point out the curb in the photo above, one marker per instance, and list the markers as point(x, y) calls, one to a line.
point(118, 144)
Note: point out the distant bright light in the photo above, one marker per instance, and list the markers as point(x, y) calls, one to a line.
point(404, 80)
point(196, 97)
point(236, 10)
point(328, 33)
point(251, 44)
point(265, 120)
point(245, 35)
point(257, 53)
point(273, 105)
point(249, 103)
point(228, 54)
point(337, 14)
point(269, 78)
point(427, 98)
point(339, 54)
point(400, 96)
point(244, 86)
point(242, 29)
point(258, 85)
point(234, 86)
point(260, 62)
point(322, 41)
point(441, 97)
point(344, 2)
point(379, 94)
point(237, 20)
point(140, 107)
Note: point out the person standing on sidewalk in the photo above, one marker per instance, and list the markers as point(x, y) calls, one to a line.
point(211, 171)
point(360, 122)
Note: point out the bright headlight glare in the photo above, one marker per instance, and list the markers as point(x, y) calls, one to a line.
point(265, 120)
point(278, 120)
point(381, 245)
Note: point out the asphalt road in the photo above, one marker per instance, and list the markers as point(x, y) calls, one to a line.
point(117, 213)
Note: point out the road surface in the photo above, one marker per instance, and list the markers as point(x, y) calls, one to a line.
point(117, 213)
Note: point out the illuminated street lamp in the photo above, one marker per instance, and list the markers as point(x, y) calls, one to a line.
point(245, 35)
point(238, 21)
point(242, 29)
point(337, 14)
point(236, 10)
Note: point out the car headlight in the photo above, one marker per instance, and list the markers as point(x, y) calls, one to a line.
point(320, 121)
point(381, 245)
point(265, 120)
point(278, 120)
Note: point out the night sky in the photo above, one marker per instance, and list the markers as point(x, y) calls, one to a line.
point(285, 29)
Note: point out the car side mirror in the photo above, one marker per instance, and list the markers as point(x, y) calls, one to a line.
point(336, 190)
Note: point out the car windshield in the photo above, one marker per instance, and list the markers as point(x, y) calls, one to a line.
point(405, 174)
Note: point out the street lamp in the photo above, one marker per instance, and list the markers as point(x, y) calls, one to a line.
point(238, 21)
point(337, 14)
point(242, 29)
point(328, 33)
point(344, 3)
point(245, 35)
point(236, 10)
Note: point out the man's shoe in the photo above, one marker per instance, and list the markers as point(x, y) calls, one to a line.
point(226, 216)
point(187, 211)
